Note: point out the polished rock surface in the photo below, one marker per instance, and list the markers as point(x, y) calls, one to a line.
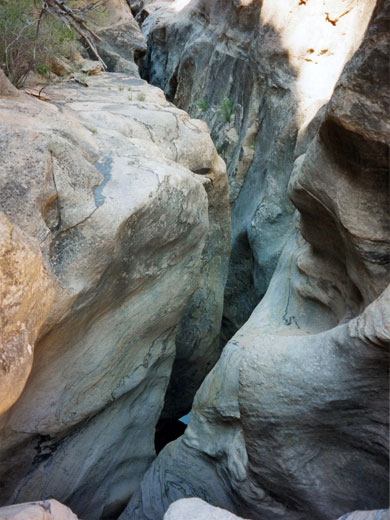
point(124, 194)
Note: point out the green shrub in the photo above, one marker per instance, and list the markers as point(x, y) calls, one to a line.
point(203, 104)
point(227, 109)
point(43, 69)
point(29, 42)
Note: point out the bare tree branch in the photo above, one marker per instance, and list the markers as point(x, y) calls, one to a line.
point(15, 40)
point(75, 18)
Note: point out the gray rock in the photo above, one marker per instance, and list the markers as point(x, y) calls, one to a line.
point(197, 509)
point(122, 44)
point(292, 422)
point(288, 415)
point(258, 78)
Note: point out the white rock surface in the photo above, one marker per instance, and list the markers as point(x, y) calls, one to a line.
point(196, 509)
point(103, 178)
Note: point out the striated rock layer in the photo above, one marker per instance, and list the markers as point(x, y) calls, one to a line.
point(113, 199)
point(292, 422)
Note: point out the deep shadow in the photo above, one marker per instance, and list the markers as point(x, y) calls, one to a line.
point(166, 432)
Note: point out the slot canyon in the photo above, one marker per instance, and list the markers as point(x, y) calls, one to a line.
point(194, 262)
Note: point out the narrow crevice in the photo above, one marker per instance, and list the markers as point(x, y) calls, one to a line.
point(166, 432)
point(170, 92)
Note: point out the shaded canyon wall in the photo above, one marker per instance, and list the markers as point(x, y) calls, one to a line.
point(293, 420)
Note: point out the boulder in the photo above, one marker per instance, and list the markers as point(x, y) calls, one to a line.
point(124, 193)
point(60, 66)
point(197, 509)
point(6, 87)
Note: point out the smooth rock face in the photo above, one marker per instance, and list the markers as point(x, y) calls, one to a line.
point(46, 510)
point(103, 180)
point(292, 422)
point(197, 340)
point(26, 295)
point(196, 509)
point(255, 73)
point(198, 337)
point(352, 148)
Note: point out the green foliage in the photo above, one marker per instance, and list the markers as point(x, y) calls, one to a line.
point(227, 109)
point(141, 97)
point(43, 69)
point(28, 42)
point(203, 104)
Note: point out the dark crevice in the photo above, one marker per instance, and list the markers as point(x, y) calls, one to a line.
point(240, 287)
point(166, 432)
point(170, 92)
